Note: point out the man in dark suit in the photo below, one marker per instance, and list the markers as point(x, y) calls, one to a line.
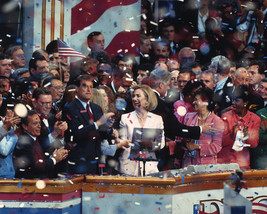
point(85, 120)
point(52, 131)
point(29, 158)
point(160, 81)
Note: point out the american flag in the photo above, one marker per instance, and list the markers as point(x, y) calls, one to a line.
point(65, 51)
point(117, 20)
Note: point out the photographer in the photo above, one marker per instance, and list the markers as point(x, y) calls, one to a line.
point(251, 24)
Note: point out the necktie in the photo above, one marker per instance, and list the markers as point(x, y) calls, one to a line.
point(38, 154)
point(89, 112)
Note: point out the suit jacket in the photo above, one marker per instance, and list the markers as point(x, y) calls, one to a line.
point(128, 122)
point(172, 126)
point(29, 159)
point(210, 144)
point(223, 97)
point(83, 136)
point(45, 131)
point(258, 155)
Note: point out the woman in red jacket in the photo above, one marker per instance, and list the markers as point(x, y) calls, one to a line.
point(241, 130)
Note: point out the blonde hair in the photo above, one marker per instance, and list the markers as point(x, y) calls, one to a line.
point(98, 99)
point(152, 101)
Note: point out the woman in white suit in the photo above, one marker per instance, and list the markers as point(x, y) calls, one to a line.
point(136, 122)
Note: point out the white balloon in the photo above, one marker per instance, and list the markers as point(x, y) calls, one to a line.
point(21, 110)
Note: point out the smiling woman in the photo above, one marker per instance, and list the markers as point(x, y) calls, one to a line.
point(239, 120)
point(205, 149)
point(135, 123)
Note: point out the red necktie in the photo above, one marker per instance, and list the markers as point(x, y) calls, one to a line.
point(38, 154)
point(89, 112)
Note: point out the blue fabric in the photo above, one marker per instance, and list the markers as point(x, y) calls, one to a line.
point(7, 145)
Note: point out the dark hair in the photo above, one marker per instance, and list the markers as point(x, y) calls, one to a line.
point(52, 47)
point(91, 35)
point(39, 91)
point(34, 60)
point(261, 65)
point(120, 74)
point(242, 92)
point(84, 77)
point(101, 56)
point(207, 94)
point(148, 67)
point(189, 71)
point(3, 56)
point(48, 80)
point(25, 120)
point(38, 52)
point(191, 85)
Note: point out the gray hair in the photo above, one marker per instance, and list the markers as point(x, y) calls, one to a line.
point(209, 72)
point(221, 64)
point(9, 52)
point(159, 75)
point(186, 49)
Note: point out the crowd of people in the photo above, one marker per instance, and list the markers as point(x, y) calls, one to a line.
point(194, 98)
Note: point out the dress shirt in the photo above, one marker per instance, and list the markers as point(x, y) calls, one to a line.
point(220, 84)
point(84, 105)
point(35, 138)
point(201, 22)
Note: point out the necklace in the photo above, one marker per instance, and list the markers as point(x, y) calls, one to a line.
point(140, 117)
point(204, 118)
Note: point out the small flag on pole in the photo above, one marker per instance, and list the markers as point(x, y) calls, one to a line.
point(66, 51)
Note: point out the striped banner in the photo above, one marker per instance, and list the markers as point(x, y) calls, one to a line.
point(52, 21)
point(119, 22)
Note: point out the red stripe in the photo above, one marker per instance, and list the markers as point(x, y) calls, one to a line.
point(259, 204)
point(202, 212)
point(40, 196)
point(259, 211)
point(124, 40)
point(88, 11)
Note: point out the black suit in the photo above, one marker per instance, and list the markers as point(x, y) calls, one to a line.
point(172, 126)
point(84, 136)
point(45, 131)
point(34, 163)
point(223, 97)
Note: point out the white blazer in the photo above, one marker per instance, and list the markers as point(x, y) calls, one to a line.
point(128, 122)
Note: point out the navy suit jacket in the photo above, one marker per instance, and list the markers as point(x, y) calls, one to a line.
point(172, 126)
point(34, 164)
point(84, 137)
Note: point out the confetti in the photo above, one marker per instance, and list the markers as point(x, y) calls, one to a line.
point(80, 127)
point(19, 184)
point(102, 196)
